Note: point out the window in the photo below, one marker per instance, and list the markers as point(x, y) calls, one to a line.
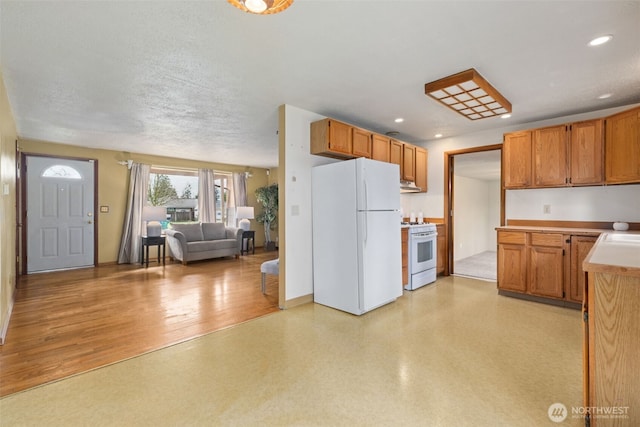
point(177, 190)
point(61, 171)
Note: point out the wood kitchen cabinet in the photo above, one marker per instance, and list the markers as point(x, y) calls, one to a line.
point(543, 264)
point(332, 138)
point(380, 148)
point(395, 155)
point(611, 327)
point(361, 143)
point(512, 261)
point(587, 153)
point(580, 247)
point(421, 169)
point(516, 159)
point(550, 156)
point(441, 244)
point(405, 256)
point(409, 162)
point(546, 264)
point(622, 147)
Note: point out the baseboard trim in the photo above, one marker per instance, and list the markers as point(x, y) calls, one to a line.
point(294, 302)
point(550, 301)
point(6, 319)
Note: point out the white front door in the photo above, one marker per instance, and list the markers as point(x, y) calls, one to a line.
point(60, 217)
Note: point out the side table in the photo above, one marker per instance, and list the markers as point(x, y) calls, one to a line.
point(147, 241)
point(248, 237)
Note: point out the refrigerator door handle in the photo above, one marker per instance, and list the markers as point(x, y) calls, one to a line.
point(366, 196)
point(365, 228)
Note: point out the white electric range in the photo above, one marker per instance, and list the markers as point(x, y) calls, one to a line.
point(422, 255)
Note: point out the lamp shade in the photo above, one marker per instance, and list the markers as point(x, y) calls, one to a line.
point(244, 214)
point(153, 215)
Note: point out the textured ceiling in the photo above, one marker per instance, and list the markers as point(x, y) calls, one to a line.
point(203, 80)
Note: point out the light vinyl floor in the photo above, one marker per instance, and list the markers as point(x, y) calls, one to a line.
point(453, 353)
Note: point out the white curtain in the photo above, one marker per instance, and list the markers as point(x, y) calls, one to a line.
point(206, 195)
point(240, 189)
point(138, 188)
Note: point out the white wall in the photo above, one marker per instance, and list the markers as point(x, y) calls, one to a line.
point(295, 169)
point(476, 214)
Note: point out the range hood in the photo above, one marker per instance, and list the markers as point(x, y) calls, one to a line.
point(409, 187)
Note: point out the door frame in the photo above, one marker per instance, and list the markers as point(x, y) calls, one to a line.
point(22, 214)
point(448, 199)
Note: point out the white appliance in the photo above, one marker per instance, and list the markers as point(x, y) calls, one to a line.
point(422, 255)
point(357, 258)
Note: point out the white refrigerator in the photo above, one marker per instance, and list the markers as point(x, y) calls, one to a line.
point(357, 254)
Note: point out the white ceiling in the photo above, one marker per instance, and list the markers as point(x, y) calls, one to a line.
point(203, 80)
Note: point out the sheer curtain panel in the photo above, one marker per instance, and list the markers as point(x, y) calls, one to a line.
point(206, 195)
point(132, 229)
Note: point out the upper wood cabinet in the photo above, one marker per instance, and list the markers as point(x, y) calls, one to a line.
point(550, 156)
point(421, 169)
point(516, 159)
point(380, 148)
point(622, 147)
point(586, 153)
point(559, 156)
point(409, 162)
point(361, 143)
point(395, 154)
point(332, 138)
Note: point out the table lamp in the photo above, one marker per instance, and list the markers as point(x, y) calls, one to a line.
point(244, 214)
point(153, 215)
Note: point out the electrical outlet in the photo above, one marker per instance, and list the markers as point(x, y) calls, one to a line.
point(546, 209)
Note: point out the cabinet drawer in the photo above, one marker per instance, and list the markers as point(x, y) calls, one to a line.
point(546, 239)
point(513, 237)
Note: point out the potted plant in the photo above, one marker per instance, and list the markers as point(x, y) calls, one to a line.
point(268, 197)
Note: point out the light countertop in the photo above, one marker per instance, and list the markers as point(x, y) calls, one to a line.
point(616, 253)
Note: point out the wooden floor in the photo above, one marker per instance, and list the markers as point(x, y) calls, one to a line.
point(64, 323)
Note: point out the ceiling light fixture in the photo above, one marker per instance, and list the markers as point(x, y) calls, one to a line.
point(469, 94)
point(605, 96)
point(399, 120)
point(261, 7)
point(505, 116)
point(438, 135)
point(600, 40)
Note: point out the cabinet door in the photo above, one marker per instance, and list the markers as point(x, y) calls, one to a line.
point(586, 153)
point(421, 169)
point(409, 162)
point(516, 160)
point(546, 271)
point(340, 137)
point(380, 148)
point(512, 267)
point(361, 143)
point(580, 247)
point(441, 242)
point(550, 156)
point(405, 256)
point(395, 155)
point(622, 147)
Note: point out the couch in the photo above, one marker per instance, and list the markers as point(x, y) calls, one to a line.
point(197, 241)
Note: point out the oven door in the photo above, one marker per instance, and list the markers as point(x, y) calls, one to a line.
point(422, 251)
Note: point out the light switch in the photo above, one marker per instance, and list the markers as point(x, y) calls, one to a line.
point(104, 209)
point(295, 210)
point(5, 189)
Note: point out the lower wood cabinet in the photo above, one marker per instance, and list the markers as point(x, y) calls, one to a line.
point(546, 265)
point(405, 256)
point(441, 251)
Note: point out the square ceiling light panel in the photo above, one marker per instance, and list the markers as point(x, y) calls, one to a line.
point(469, 94)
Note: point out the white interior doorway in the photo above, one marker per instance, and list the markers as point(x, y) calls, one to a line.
point(476, 213)
point(60, 217)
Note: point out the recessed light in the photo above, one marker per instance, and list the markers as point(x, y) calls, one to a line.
point(600, 40)
point(505, 116)
point(399, 120)
point(605, 96)
point(438, 135)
